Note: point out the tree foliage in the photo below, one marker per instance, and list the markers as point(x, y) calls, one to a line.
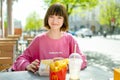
point(72, 4)
point(110, 14)
point(33, 22)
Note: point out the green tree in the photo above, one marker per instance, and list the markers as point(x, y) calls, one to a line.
point(5, 23)
point(110, 14)
point(72, 4)
point(33, 22)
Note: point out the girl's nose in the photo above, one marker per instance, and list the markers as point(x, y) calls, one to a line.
point(55, 20)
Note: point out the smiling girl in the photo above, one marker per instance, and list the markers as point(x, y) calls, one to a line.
point(56, 42)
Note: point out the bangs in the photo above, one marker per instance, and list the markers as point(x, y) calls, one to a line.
point(56, 10)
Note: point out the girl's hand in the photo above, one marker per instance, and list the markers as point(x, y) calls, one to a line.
point(34, 66)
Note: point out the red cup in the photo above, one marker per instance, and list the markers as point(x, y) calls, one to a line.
point(59, 75)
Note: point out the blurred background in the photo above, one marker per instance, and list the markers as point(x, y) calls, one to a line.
point(94, 23)
point(101, 17)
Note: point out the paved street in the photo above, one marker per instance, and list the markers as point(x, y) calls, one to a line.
point(101, 52)
point(102, 45)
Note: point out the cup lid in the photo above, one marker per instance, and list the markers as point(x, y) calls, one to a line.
point(75, 55)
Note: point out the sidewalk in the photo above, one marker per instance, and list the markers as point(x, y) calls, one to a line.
point(103, 63)
point(115, 37)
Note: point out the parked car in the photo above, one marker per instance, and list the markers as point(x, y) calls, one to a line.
point(84, 32)
point(72, 32)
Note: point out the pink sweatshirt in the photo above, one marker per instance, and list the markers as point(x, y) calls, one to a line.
point(43, 47)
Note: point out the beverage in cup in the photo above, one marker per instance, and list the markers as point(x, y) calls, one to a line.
point(75, 62)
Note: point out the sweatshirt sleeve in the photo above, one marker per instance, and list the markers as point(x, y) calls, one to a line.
point(28, 56)
point(74, 42)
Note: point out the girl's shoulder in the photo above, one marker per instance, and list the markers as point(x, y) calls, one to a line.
point(68, 35)
point(40, 36)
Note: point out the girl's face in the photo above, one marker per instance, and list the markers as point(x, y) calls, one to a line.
point(55, 22)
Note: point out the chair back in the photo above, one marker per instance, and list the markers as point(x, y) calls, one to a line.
point(9, 41)
point(14, 36)
point(6, 55)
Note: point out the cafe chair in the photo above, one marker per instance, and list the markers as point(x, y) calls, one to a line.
point(6, 56)
point(7, 70)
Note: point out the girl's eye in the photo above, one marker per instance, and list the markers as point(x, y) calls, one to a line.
point(57, 17)
point(51, 16)
point(60, 17)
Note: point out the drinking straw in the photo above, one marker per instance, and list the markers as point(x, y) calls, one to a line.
point(74, 50)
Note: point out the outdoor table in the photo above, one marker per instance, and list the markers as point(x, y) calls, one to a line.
point(90, 73)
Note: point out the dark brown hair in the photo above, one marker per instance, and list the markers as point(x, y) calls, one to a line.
point(57, 9)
